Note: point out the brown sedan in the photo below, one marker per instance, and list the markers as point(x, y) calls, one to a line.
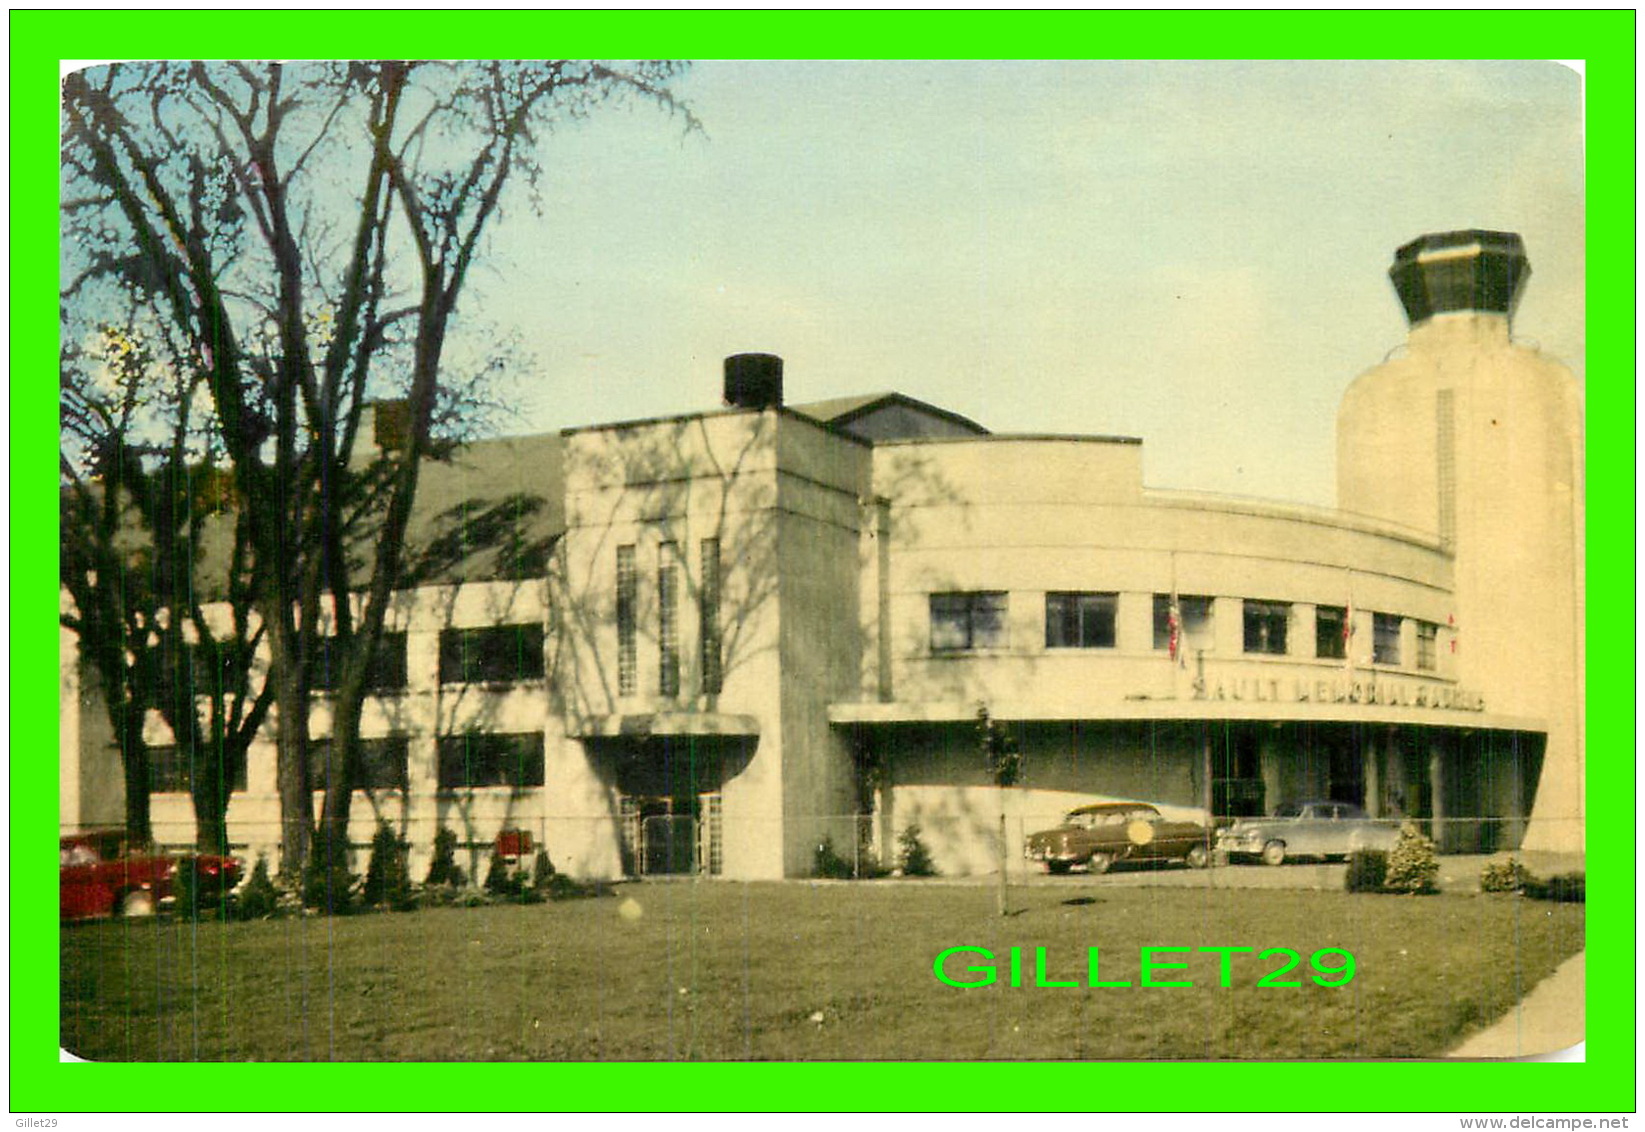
point(1097, 836)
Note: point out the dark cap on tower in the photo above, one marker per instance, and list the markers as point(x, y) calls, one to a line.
point(754, 381)
point(1471, 270)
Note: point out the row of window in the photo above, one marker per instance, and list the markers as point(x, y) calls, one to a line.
point(493, 654)
point(465, 762)
point(669, 581)
point(1079, 620)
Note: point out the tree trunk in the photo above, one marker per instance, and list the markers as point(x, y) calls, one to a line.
point(128, 730)
point(339, 784)
point(1004, 853)
point(291, 768)
point(209, 787)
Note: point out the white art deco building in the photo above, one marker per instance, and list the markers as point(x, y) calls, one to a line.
point(740, 632)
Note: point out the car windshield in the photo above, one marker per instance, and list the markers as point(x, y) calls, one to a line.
point(1289, 810)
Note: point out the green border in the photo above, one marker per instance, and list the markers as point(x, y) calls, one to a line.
point(1604, 40)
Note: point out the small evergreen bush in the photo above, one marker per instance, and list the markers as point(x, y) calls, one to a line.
point(388, 874)
point(912, 856)
point(329, 891)
point(443, 868)
point(258, 899)
point(1367, 870)
point(542, 876)
point(829, 864)
point(1567, 888)
point(1413, 866)
point(502, 881)
point(1503, 876)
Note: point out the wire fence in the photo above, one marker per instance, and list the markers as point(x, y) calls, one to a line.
point(705, 841)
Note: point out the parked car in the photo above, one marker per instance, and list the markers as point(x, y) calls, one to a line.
point(102, 874)
point(1097, 836)
point(1306, 829)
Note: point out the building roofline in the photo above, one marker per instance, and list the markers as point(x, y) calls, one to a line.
point(874, 401)
point(1300, 512)
point(1037, 437)
point(781, 410)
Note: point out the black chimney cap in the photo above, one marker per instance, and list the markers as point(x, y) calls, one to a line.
point(754, 381)
point(1469, 270)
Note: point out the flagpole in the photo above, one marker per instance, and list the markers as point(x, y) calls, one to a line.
point(1174, 641)
point(1348, 630)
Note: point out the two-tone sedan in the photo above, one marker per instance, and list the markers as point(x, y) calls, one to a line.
point(1306, 829)
point(1099, 835)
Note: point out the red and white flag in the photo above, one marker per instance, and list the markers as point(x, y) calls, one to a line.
point(1173, 625)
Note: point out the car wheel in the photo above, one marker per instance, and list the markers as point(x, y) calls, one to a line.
point(137, 903)
point(1056, 867)
point(1099, 862)
point(1198, 857)
point(1273, 853)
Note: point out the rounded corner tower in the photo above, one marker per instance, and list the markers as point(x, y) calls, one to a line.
point(1478, 440)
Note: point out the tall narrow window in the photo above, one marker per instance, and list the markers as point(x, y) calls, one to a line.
point(1265, 626)
point(1427, 645)
point(708, 615)
point(627, 595)
point(1330, 632)
point(1385, 641)
point(1079, 620)
point(668, 629)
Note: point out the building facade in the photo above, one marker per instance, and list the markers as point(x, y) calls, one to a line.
point(734, 635)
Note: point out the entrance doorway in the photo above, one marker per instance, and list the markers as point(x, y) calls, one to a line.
point(672, 836)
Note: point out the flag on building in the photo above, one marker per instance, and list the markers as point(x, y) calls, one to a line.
point(1348, 637)
point(1173, 625)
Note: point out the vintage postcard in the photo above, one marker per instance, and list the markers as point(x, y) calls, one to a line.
point(823, 561)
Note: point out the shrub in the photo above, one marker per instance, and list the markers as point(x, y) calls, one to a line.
point(258, 899)
point(329, 891)
point(1568, 888)
point(869, 867)
point(912, 856)
point(562, 887)
point(1413, 866)
point(443, 868)
point(388, 875)
point(1503, 876)
point(1367, 869)
point(502, 881)
point(827, 863)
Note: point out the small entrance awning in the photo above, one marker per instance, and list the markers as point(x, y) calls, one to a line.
point(638, 725)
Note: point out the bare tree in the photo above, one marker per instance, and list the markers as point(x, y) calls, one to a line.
point(140, 501)
point(309, 232)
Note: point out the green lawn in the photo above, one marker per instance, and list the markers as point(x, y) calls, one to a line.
point(726, 971)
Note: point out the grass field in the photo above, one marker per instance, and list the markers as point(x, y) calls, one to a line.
point(725, 971)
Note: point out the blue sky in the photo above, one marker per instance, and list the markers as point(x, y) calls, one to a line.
point(1193, 253)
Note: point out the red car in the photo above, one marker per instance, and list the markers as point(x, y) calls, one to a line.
point(102, 875)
